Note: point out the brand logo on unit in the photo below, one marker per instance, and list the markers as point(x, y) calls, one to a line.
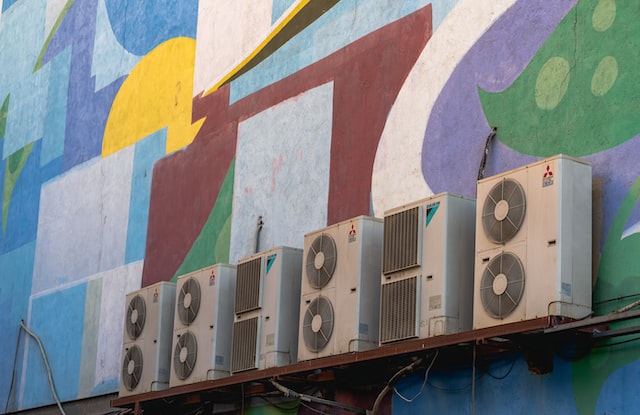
point(547, 178)
point(352, 234)
point(212, 278)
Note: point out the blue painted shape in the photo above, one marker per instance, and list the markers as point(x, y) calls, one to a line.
point(449, 392)
point(56, 118)
point(7, 3)
point(87, 109)
point(22, 220)
point(21, 44)
point(278, 8)
point(16, 268)
point(141, 25)
point(61, 334)
point(110, 60)
point(344, 23)
point(618, 394)
point(147, 152)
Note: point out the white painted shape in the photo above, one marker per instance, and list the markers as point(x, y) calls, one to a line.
point(54, 7)
point(110, 59)
point(282, 173)
point(631, 230)
point(227, 32)
point(116, 283)
point(397, 170)
point(82, 226)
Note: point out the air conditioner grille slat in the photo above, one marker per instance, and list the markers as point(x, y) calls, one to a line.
point(401, 232)
point(398, 310)
point(248, 285)
point(245, 338)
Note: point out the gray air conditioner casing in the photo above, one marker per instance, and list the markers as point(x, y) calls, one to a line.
point(204, 314)
point(267, 306)
point(146, 357)
point(533, 246)
point(427, 268)
point(340, 301)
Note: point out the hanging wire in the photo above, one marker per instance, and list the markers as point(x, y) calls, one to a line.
point(46, 363)
point(485, 152)
point(426, 376)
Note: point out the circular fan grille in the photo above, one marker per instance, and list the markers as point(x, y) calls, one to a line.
point(185, 355)
point(188, 302)
point(321, 260)
point(502, 285)
point(317, 324)
point(132, 368)
point(136, 315)
point(503, 211)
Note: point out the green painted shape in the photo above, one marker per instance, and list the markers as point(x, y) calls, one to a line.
point(591, 108)
point(4, 111)
point(618, 275)
point(213, 244)
point(13, 168)
point(54, 29)
point(281, 408)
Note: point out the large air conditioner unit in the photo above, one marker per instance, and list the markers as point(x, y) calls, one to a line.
point(148, 327)
point(203, 325)
point(340, 300)
point(427, 268)
point(267, 306)
point(533, 243)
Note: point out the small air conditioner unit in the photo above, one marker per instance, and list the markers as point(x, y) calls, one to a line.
point(148, 326)
point(533, 243)
point(203, 325)
point(340, 301)
point(427, 268)
point(267, 306)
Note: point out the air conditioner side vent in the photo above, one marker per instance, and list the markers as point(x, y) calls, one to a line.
point(401, 240)
point(245, 345)
point(248, 286)
point(398, 317)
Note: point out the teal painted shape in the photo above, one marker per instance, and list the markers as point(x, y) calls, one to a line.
point(431, 211)
point(16, 268)
point(147, 152)
point(56, 117)
point(58, 319)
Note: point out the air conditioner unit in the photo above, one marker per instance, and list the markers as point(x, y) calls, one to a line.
point(533, 243)
point(340, 300)
point(427, 268)
point(148, 326)
point(203, 325)
point(267, 306)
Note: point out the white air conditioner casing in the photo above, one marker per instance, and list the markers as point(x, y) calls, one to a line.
point(340, 300)
point(203, 325)
point(267, 306)
point(146, 356)
point(533, 243)
point(427, 268)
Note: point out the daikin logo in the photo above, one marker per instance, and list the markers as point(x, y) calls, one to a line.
point(431, 211)
point(270, 260)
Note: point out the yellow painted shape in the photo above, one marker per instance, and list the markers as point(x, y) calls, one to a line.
point(281, 25)
point(155, 95)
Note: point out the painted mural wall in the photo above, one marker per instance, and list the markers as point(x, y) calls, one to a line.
point(141, 140)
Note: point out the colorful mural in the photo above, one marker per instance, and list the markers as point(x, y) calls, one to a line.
point(142, 140)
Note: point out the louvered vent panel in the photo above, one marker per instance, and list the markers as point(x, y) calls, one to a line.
point(245, 339)
point(401, 232)
point(248, 286)
point(399, 313)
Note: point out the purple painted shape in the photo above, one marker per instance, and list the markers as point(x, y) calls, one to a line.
point(87, 109)
point(457, 127)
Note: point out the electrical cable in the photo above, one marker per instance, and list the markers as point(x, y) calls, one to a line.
point(485, 152)
point(308, 398)
point(600, 346)
point(46, 363)
point(501, 377)
point(426, 376)
point(13, 372)
point(313, 409)
point(610, 300)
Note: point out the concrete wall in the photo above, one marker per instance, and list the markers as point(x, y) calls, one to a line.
point(141, 140)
